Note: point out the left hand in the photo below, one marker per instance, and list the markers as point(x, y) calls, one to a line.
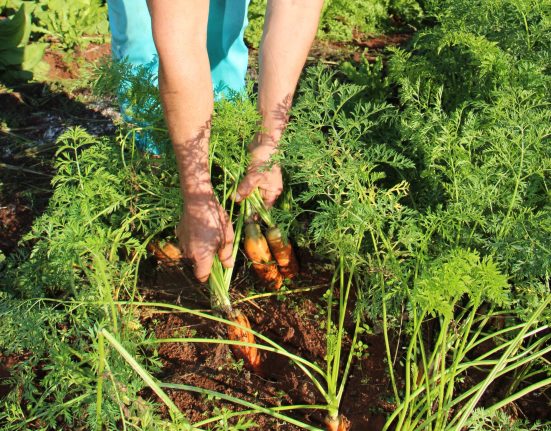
point(262, 174)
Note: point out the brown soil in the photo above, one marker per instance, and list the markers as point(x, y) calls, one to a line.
point(7, 363)
point(69, 66)
point(294, 321)
point(361, 45)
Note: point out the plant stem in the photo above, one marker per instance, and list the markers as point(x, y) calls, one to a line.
point(99, 384)
point(147, 378)
point(260, 409)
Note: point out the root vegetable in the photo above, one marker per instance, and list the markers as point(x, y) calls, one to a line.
point(257, 250)
point(283, 253)
point(340, 423)
point(168, 254)
point(249, 354)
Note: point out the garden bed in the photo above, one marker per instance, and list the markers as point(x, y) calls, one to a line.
point(417, 191)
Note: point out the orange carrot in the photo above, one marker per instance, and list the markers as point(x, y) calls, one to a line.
point(257, 250)
point(340, 423)
point(249, 354)
point(283, 253)
point(168, 254)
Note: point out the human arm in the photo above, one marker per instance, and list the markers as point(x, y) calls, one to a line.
point(289, 30)
point(180, 31)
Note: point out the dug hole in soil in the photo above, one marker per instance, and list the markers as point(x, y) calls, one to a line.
point(294, 322)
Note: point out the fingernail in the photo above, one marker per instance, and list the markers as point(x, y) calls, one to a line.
point(236, 197)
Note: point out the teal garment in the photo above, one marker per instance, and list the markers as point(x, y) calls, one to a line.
point(132, 39)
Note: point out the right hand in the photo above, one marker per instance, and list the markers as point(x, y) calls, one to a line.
point(203, 231)
point(260, 174)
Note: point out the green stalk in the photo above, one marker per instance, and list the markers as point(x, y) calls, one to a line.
point(442, 386)
point(493, 335)
point(431, 418)
point(259, 409)
point(349, 361)
point(328, 329)
point(147, 378)
point(99, 384)
point(119, 401)
point(385, 325)
point(220, 277)
point(100, 274)
point(515, 193)
point(408, 365)
point(426, 370)
point(278, 293)
point(255, 411)
point(468, 408)
point(459, 354)
point(257, 205)
point(519, 394)
point(334, 377)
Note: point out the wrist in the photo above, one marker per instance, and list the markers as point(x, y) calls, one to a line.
point(196, 189)
point(263, 146)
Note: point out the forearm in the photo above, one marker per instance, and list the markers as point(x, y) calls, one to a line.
point(189, 126)
point(289, 30)
point(179, 30)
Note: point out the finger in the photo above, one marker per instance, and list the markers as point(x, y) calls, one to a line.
point(269, 197)
point(203, 267)
point(181, 243)
point(225, 253)
point(182, 246)
point(247, 186)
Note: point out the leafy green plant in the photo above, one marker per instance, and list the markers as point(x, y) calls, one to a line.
point(427, 191)
point(431, 399)
point(72, 24)
point(20, 59)
point(342, 20)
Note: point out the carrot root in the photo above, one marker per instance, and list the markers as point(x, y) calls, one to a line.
point(249, 354)
point(340, 423)
point(167, 254)
point(257, 250)
point(283, 253)
point(269, 274)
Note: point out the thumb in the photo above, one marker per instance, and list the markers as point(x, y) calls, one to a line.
point(247, 186)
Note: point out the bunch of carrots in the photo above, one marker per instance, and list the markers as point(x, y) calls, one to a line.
point(271, 256)
point(272, 259)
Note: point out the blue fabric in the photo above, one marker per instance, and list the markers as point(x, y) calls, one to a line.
point(132, 40)
point(228, 54)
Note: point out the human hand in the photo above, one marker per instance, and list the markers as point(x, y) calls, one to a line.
point(203, 231)
point(260, 173)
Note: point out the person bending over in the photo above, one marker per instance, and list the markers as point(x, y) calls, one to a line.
point(180, 35)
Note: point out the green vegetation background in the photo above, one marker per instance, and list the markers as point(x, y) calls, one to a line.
point(439, 159)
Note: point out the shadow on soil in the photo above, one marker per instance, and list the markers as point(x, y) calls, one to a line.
point(32, 116)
